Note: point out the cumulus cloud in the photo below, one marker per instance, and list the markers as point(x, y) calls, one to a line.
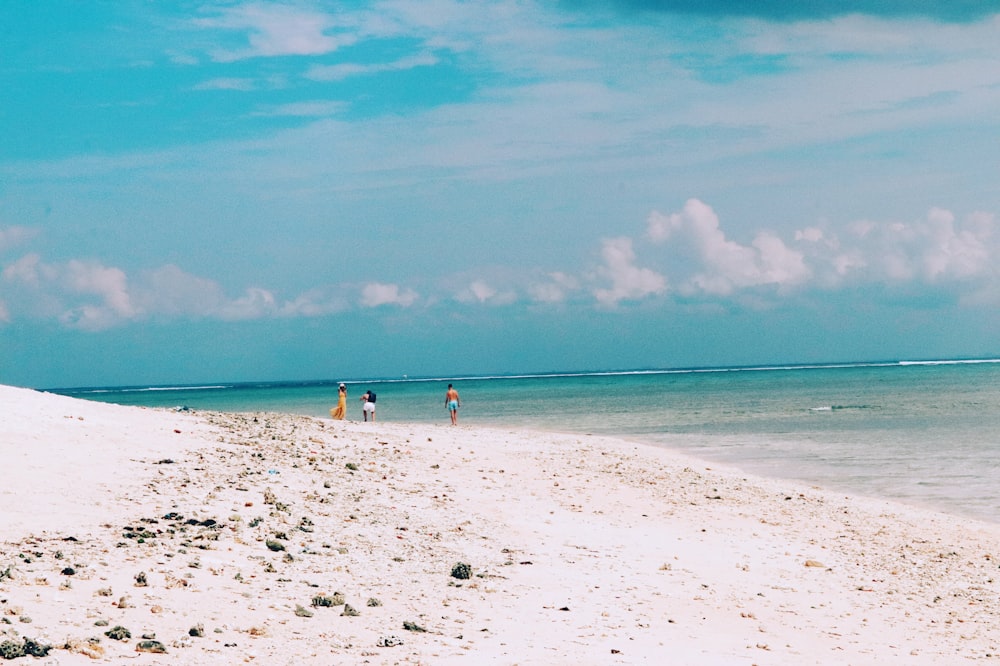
point(555, 290)
point(480, 291)
point(937, 249)
point(171, 291)
point(254, 304)
point(316, 302)
point(687, 251)
point(628, 281)
point(80, 294)
point(375, 294)
point(726, 265)
point(90, 296)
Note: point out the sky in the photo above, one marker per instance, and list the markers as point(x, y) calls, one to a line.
point(260, 191)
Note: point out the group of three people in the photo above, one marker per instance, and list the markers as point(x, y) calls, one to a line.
point(451, 401)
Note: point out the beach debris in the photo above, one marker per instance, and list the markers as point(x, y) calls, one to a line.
point(815, 563)
point(373, 602)
point(389, 641)
point(7, 574)
point(301, 611)
point(118, 633)
point(90, 647)
point(461, 571)
point(413, 626)
point(154, 647)
point(321, 600)
point(350, 611)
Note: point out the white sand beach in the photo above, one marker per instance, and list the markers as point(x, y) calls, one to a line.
point(206, 538)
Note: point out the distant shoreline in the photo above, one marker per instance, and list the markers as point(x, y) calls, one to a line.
point(201, 386)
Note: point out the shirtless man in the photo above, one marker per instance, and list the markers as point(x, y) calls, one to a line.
point(452, 402)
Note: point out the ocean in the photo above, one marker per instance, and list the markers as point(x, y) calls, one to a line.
point(924, 433)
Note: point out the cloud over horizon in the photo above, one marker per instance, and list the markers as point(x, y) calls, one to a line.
point(938, 249)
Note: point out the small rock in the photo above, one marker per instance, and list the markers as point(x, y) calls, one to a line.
point(462, 571)
point(118, 633)
point(389, 641)
point(155, 647)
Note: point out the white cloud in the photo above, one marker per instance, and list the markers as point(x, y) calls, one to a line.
point(254, 304)
point(80, 294)
point(276, 30)
point(27, 270)
point(937, 249)
point(14, 236)
point(375, 294)
point(170, 291)
point(554, 291)
point(314, 109)
point(727, 265)
point(628, 281)
point(481, 291)
point(108, 284)
point(244, 85)
point(345, 70)
point(316, 302)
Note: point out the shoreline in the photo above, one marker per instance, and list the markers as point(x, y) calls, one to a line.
point(579, 548)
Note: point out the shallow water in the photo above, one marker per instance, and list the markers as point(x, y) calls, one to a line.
point(923, 433)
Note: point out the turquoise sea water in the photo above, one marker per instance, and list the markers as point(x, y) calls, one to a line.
point(924, 433)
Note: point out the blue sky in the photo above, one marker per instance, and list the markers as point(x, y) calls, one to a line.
point(199, 191)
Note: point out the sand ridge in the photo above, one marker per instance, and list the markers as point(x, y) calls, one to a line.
point(277, 539)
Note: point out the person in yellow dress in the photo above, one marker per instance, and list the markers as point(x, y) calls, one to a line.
point(340, 411)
